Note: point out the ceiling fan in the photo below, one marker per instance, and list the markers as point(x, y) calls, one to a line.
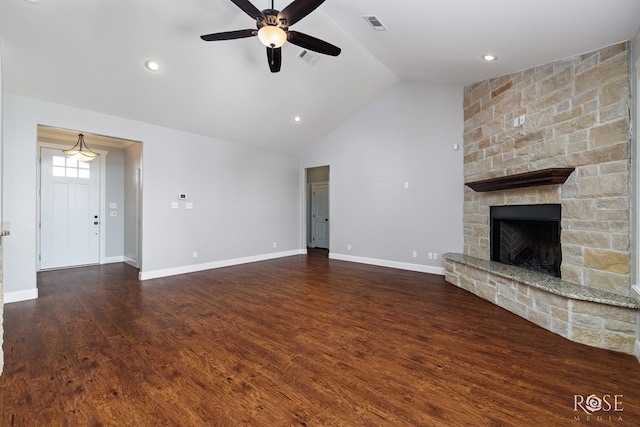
point(273, 30)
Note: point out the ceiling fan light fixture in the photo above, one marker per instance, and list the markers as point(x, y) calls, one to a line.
point(272, 36)
point(80, 151)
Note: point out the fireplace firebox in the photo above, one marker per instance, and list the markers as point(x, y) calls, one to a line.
point(527, 236)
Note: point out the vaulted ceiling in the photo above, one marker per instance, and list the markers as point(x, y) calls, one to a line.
point(91, 54)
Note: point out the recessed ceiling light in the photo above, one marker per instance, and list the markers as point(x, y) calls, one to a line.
point(151, 65)
point(297, 119)
point(489, 57)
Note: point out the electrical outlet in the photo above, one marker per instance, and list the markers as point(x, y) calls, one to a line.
point(515, 122)
point(435, 255)
point(430, 255)
point(348, 247)
point(415, 254)
point(195, 254)
point(275, 244)
point(521, 122)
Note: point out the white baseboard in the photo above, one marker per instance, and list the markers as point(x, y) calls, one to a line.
point(113, 259)
point(10, 297)
point(132, 262)
point(154, 274)
point(393, 264)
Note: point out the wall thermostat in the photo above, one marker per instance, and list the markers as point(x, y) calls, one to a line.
point(182, 196)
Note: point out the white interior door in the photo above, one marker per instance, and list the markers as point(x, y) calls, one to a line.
point(70, 210)
point(320, 215)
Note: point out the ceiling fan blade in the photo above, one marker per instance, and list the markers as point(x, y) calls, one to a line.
point(248, 8)
point(297, 10)
point(229, 35)
point(312, 43)
point(274, 55)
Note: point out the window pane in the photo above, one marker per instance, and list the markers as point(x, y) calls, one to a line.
point(83, 173)
point(58, 161)
point(58, 171)
point(83, 165)
point(72, 163)
point(72, 173)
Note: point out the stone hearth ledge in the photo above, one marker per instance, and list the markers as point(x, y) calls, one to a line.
point(579, 313)
point(545, 282)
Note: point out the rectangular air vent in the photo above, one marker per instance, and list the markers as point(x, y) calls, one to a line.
point(375, 22)
point(308, 57)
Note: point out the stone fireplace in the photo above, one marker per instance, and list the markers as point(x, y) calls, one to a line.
point(576, 124)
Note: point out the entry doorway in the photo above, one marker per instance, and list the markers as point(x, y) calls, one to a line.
point(318, 218)
point(70, 210)
point(86, 214)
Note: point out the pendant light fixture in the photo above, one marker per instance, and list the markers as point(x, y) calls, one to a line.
point(80, 151)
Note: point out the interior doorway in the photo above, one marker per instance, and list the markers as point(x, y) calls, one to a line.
point(318, 210)
point(85, 214)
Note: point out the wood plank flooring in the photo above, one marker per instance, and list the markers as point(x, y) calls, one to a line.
point(298, 341)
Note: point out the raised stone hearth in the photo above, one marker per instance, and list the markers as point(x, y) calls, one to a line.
point(577, 124)
point(582, 314)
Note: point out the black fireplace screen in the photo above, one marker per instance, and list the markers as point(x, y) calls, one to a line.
point(527, 236)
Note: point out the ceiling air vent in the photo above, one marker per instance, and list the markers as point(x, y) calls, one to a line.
point(308, 57)
point(375, 22)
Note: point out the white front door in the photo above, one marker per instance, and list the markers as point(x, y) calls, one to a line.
point(320, 215)
point(70, 210)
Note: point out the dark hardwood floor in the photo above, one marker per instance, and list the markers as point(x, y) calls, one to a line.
point(303, 341)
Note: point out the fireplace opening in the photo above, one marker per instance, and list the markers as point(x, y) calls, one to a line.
point(527, 236)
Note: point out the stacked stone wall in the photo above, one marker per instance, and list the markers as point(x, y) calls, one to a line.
point(576, 115)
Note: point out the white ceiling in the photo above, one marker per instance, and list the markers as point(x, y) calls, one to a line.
point(91, 54)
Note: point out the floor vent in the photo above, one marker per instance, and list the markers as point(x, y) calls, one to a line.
point(375, 22)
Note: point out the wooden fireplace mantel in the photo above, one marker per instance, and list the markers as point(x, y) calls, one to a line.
point(548, 176)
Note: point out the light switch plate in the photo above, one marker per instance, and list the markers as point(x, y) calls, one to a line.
point(175, 205)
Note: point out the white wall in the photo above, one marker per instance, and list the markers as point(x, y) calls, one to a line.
point(132, 165)
point(244, 199)
point(114, 193)
point(1, 226)
point(406, 135)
